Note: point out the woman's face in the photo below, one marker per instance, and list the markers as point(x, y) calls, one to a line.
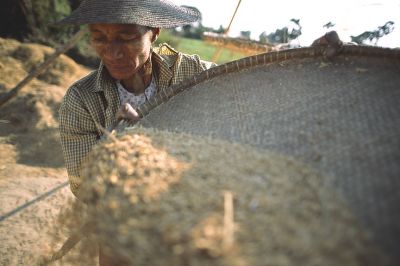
point(123, 48)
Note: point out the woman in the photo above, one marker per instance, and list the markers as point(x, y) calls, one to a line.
point(131, 71)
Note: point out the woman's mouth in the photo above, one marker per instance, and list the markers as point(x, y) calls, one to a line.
point(117, 66)
point(119, 71)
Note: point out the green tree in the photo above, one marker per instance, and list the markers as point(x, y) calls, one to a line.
point(329, 25)
point(263, 38)
point(296, 31)
point(33, 21)
point(245, 34)
point(283, 35)
point(370, 36)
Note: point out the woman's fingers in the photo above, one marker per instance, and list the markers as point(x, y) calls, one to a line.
point(127, 112)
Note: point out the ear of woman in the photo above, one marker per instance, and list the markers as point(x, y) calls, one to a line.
point(156, 32)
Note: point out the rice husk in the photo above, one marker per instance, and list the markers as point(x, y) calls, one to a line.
point(160, 198)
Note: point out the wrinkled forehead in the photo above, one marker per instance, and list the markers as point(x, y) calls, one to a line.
point(111, 29)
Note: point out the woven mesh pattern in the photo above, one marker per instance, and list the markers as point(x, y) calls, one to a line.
point(341, 117)
point(152, 13)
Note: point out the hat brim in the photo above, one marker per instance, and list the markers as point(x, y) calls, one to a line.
point(157, 14)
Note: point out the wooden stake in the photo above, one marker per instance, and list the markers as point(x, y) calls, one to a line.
point(228, 221)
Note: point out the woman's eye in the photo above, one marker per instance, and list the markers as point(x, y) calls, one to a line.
point(129, 38)
point(98, 40)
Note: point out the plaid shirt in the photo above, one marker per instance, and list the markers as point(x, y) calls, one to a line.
point(94, 100)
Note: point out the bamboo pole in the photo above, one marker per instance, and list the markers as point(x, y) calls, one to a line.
point(5, 97)
point(219, 50)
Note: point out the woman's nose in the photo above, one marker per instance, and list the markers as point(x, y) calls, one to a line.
point(113, 51)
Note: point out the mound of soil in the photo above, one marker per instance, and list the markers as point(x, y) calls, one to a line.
point(159, 198)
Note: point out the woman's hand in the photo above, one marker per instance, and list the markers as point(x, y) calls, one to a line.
point(126, 112)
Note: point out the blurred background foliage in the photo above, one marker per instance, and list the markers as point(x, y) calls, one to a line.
point(34, 21)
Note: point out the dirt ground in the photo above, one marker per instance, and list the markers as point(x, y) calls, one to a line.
point(31, 161)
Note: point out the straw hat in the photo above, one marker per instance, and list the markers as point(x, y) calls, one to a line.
point(151, 13)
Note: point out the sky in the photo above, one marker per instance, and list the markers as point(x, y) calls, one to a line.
point(351, 17)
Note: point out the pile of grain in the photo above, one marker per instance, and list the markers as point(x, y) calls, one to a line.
point(161, 198)
point(29, 122)
point(18, 59)
point(36, 106)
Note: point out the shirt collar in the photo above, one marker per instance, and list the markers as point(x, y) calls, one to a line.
point(146, 91)
point(103, 79)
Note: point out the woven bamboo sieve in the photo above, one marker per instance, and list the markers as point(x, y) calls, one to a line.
point(339, 116)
